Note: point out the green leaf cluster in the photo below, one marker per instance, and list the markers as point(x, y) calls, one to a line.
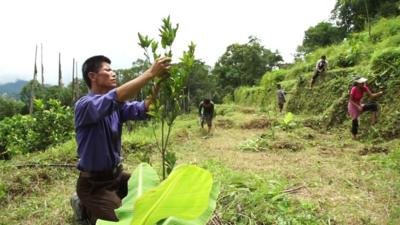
point(168, 34)
point(167, 106)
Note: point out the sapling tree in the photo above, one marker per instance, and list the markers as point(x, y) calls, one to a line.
point(150, 201)
point(167, 106)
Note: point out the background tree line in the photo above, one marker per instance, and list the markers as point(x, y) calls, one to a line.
point(347, 16)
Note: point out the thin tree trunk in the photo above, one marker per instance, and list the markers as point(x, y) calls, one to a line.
point(32, 99)
point(162, 149)
point(76, 80)
point(368, 21)
point(60, 83)
point(73, 81)
point(41, 62)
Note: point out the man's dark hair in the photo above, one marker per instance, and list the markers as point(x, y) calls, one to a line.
point(323, 57)
point(278, 86)
point(93, 64)
point(206, 101)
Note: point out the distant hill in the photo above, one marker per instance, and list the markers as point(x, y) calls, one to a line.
point(12, 89)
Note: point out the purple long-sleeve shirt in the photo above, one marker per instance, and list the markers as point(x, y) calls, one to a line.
point(98, 127)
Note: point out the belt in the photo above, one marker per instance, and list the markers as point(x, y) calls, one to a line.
point(103, 174)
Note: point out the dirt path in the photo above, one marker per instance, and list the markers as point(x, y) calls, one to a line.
point(328, 167)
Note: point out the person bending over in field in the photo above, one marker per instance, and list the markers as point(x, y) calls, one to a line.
point(355, 107)
point(320, 68)
point(206, 113)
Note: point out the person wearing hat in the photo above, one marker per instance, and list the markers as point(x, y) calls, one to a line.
point(355, 107)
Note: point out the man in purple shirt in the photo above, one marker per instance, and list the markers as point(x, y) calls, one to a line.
point(98, 124)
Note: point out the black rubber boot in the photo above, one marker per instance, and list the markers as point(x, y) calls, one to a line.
point(80, 217)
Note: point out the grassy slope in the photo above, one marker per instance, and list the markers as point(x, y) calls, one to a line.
point(376, 57)
point(335, 182)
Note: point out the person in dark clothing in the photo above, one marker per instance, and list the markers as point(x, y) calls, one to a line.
point(320, 68)
point(206, 113)
point(98, 124)
point(281, 97)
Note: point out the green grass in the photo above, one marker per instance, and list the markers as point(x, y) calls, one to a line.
point(326, 181)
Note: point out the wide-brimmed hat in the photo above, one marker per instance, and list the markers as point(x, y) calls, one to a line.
point(360, 80)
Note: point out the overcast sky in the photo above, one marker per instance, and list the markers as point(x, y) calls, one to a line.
point(83, 28)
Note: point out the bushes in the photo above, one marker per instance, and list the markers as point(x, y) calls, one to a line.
point(14, 133)
point(50, 124)
point(250, 96)
point(9, 107)
point(385, 28)
point(386, 61)
point(270, 79)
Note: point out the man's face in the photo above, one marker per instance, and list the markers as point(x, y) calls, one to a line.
point(105, 78)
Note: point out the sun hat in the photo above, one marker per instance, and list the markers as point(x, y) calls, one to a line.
point(361, 80)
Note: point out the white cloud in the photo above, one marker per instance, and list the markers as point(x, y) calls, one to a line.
point(81, 29)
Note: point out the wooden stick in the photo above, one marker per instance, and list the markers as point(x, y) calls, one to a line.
point(46, 165)
point(291, 190)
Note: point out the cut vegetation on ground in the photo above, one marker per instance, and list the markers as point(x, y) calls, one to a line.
point(297, 175)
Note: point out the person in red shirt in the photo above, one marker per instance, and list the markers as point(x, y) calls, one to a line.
point(355, 107)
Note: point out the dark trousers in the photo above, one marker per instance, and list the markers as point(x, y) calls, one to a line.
point(314, 78)
point(372, 107)
point(206, 118)
point(354, 127)
point(100, 195)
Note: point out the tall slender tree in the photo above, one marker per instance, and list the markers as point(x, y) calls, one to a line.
point(60, 83)
point(41, 64)
point(33, 85)
point(76, 81)
point(73, 81)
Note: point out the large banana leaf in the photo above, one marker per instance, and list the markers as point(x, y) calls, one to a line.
point(143, 179)
point(184, 194)
point(204, 218)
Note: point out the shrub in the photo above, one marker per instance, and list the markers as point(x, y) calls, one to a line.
point(346, 59)
point(385, 28)
point(14, 132)
point(270, 79)
point(386, 61)
point(9, 107)
point(50, 124)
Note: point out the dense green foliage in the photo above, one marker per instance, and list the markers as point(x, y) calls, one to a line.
point(355, 15)
point(200, 84)
point(243, 64)
point(321, 35)
point(51, 123)
point(9, 107)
